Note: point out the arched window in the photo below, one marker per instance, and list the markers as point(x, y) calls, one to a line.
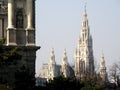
point(19, 18)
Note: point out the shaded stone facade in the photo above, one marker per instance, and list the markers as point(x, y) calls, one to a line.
point(17, 26)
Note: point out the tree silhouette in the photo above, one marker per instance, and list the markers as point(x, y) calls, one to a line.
point(62, 83)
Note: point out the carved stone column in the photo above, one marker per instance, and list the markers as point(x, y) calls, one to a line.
point(29, 14)
point(10, 14)
point(11, 31)
point(30, 31)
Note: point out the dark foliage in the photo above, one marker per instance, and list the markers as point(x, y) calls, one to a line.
point(62, 83)
point(24, 79)
point(8, 56)
point(4, 87)
point(2, 41)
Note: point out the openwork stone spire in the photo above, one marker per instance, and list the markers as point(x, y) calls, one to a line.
point(84, 60)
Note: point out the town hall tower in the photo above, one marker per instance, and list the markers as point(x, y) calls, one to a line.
point(84, 60)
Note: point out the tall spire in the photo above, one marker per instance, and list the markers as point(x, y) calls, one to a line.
point(84, 60)
point(84, 27)
point(84, 15)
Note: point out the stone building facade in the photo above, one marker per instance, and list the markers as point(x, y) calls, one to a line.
point(17, 26)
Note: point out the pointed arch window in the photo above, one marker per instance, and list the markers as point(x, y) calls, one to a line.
point(19, 18)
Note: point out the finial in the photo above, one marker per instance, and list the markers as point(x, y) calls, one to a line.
point(84, 13)
point(85, 5)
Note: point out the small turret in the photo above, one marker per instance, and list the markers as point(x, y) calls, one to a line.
point(52, 71)
point(52, 57)
point(103, 73)
point(64, 59)
point(65, 66)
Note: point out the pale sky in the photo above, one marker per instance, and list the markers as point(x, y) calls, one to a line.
point(58, 26)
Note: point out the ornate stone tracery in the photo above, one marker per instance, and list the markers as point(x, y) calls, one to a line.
point(84, 60)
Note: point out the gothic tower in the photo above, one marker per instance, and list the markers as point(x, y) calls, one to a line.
point(84, 60)
point(65, 66)
point(52, 66)
point(103, 74)
point(17, 26)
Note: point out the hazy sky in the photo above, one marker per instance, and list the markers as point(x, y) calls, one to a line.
point(58, 26)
